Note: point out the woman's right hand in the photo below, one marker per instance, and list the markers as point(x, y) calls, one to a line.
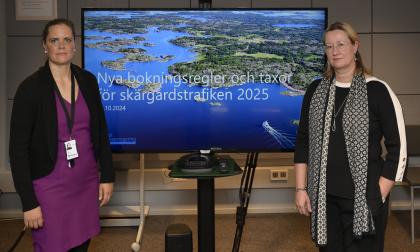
point(33, 218)
point(303, 203)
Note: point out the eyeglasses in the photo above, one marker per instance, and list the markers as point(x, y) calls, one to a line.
point(339, 46)
point(57, 41)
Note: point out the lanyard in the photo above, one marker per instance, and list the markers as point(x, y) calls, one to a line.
point(69, 116)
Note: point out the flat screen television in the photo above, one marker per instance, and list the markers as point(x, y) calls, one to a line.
point(182, 80)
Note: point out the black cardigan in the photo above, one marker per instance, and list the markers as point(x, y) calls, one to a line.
point(33, 130)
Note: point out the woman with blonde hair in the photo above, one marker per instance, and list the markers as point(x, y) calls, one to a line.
point(342, 182)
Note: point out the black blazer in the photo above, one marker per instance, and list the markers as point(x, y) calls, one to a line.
point(33, 130)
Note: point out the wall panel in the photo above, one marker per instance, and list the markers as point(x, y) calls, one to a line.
point(3, 89)
point(231, 4)
point(396, 60)
point(411, 108)
point(29, 28)
point(396, 16)
point(357, 12)
point(281, 3)
point(160, 4)
point(366, 49)
point(394, 57)
point(25, 55)
point(75, 7)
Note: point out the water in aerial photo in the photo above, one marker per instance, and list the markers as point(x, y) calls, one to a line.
point(187, 80)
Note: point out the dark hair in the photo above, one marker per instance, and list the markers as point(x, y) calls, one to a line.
point(57, 21)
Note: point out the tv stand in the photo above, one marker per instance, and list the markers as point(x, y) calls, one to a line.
point(218, 166)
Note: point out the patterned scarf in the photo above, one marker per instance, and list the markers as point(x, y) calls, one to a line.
point(356, 132)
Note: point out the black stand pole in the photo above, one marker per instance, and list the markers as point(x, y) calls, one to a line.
point(244, 196)
point(205, 200)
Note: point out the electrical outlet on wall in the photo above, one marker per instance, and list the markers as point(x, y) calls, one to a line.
point(279, 174)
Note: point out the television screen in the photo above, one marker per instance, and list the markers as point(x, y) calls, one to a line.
point(229, 80)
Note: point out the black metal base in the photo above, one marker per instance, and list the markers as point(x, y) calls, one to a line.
point(205, 202)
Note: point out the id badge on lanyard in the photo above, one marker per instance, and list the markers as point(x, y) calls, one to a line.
point(69, 146)
point(71, 149)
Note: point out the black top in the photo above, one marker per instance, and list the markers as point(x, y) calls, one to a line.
point(339, 181)
point(33, 130)
point(385, 120)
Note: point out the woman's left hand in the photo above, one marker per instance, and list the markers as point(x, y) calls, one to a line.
point(385, 185)
point(105, 192)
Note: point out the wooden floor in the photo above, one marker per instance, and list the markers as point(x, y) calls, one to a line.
point(263, 233)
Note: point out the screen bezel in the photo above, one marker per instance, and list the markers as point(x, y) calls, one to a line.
point(83, 10)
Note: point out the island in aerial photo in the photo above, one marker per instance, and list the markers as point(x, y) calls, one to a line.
point(247, 69)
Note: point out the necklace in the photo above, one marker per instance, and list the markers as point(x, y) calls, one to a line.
point(338, 111)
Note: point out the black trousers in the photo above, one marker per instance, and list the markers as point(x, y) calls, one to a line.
point(340, 226)
point(81, 248)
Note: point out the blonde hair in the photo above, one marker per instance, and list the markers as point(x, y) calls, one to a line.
point(353, 37)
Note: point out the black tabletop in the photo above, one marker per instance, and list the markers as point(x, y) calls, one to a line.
point(231, 168)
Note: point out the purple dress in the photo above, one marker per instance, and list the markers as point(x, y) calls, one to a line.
point(69, 196)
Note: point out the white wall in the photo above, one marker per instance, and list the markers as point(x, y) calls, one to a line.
point(390, 36)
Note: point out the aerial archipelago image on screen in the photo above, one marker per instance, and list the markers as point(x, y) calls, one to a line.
point(184, 80)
